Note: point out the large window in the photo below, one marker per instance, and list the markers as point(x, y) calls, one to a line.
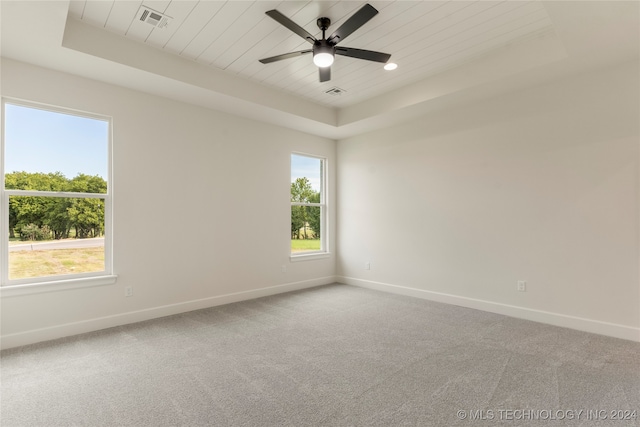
point(56, 196)
point(308, 205)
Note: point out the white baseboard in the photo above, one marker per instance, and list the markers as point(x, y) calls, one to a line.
point(556, 319)
point(68, 329)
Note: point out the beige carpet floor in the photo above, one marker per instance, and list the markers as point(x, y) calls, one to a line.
point(329, 356)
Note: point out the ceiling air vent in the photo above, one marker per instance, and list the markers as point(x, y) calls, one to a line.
point(152, 17)
point(335, 91)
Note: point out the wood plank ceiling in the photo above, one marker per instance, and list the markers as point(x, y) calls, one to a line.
point(424, 38)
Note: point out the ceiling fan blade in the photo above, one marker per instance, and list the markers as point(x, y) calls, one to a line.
point(325, 74)
point(369, 55)
point(356, 21)
point(284, 56)
point(283, 20)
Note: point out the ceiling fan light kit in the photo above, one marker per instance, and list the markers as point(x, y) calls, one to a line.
point(324, 50)
point(323, 55)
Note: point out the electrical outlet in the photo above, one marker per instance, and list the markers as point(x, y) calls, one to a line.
point(367, 266)
point(128, 291)
point(522, 286)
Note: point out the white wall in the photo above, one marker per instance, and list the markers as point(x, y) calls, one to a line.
point(540, 185)
point(201, 209)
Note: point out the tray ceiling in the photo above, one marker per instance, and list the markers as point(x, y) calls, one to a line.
point(449, 53)
point(424, 38)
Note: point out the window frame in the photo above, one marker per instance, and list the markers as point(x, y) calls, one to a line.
point(323, 205)
point(12, 287)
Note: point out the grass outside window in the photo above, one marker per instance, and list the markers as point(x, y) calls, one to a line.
point(305, 245)
point(55, 262)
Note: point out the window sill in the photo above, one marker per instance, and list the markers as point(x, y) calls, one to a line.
point(309, 257)
point(58, 285)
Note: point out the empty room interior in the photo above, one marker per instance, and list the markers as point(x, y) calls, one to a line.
point(261, 213)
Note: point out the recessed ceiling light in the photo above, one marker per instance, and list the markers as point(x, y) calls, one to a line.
point(390, 66)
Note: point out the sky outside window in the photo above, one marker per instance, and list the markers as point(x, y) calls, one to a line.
point(45, 141)
point(309, 167)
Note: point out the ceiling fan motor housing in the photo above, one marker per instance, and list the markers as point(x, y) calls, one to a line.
point(323, 46)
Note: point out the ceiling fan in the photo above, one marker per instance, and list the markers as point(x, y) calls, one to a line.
point(325, 49)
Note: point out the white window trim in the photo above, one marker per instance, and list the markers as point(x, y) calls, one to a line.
point(56, 285)
point(61, 282)
point(309, 256)
point(324, 209)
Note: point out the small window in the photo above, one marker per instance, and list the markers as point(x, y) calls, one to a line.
point(56, 195)
point(308, 205)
